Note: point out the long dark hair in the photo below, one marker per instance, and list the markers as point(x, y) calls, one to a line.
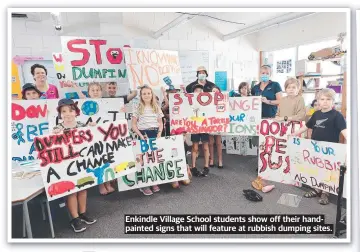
point(243, 84)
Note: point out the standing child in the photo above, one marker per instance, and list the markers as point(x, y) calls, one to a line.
point(196, 138)
point(292, 106)
point(215, 139)
point(147, 123)
point(327, 124)
point(76, 202)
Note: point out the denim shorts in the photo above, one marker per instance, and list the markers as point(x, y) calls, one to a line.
point(195, 138)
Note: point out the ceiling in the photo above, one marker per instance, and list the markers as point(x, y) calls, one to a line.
point(150, 22)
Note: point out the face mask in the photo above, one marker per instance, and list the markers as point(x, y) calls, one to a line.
point(264, 78)
point(202, 77)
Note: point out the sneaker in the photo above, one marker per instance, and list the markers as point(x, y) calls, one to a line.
point(88, 220)
point(155, 188)
point(195, 172)
point(77, 225)
point(146, 191)
point(324, 199)
point(205, 171)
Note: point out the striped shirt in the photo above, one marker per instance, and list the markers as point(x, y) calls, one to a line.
point(148, 119)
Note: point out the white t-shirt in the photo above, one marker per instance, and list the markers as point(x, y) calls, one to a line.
point(148, 119)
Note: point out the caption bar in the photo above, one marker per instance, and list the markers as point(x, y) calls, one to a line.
point(226, 224)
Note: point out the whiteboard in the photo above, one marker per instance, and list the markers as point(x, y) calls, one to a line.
point(190, 61)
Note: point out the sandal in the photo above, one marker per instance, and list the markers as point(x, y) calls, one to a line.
point(257, 184)
point(324, 199)
point(311, 194)
point(211, 165)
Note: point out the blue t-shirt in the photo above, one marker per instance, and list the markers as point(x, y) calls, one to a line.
point(270, 91)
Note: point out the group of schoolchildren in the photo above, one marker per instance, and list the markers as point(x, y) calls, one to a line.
point(151, 120)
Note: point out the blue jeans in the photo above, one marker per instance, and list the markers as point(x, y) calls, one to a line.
point(150, 133)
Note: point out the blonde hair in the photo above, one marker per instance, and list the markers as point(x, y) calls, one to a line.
point(292, 81)
point(267, 67)
point(94, 84)
point(153, 103)
point(327, 92)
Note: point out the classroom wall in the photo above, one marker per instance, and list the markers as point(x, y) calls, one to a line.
point(314, 28)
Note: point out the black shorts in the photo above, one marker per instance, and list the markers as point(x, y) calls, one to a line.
point(195, 138)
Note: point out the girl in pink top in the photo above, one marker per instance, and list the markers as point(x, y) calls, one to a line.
point(48, 91)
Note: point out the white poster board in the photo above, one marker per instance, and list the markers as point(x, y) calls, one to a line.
point(199, 112)
point(274, 161)
point(84, 157)
point(91, 110)
point(241, 145)
point(28, 120)
point(156, 163)
point(156, 68)
point(245, 116)
point(317, 164)
point(99, 59)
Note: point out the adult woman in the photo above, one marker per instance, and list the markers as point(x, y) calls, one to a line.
point(48, 91)
point(270, 92)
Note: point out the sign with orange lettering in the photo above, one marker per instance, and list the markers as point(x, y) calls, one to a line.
point(156, 68)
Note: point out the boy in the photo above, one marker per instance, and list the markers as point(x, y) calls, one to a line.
point(196, 138)
point(111, 88)
point(30, 92)
point(326, 125)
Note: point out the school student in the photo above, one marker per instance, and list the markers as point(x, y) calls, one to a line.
point(327, 124)
point(147, 123)
point(30, 92)
point(215, 138)
point(76, 202)
point(243, 90)
point(292, 106)
point(196, 138)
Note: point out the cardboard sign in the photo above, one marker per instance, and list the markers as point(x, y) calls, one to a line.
point(91, 110)
point(84, 157)
point(88, 59)
point(242, 145)
point(245, 116)
point(156, 163)
point(156, 68)
point(316, 163)
point(28, 120)
point(274, 162)
point(199, 112)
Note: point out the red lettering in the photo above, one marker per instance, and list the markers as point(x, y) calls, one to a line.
point(97, 44)
point(264, 127)
point(277, 128)
point(85, 52)
point(178, 99)
point(58, 58)
point(218, 97)
point(283, 129)
point(306, 155)
point(278, 146)
point(189, 96)
point(19, 113)
point(209, 99)
point(287, 168)
point(114, 132)
point(255, 103)
point(114, 55)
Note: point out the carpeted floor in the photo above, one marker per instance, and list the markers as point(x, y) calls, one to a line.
point(219, 193)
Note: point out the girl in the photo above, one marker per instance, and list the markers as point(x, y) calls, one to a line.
point(147, 123)
point(95, 92)
point(244, 90)
point(76, 202)
point(292, 106)
point(212, 140)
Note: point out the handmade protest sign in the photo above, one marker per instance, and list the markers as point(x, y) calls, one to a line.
point(245, 116)
point(199, 112)
point(80, 158)
point(316, 163)
point(242, 145)
point(91, 110)
point(156, 68)
point(158, 161)
point(88, 59)
point(274, 162)
point(28, 120)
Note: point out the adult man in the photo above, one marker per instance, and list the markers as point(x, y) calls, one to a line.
point(201, 74)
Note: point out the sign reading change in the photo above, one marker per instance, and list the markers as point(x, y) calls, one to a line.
point(157, 163)
point(84, 157)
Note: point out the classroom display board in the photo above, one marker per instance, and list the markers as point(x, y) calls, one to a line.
point(156, 68)
point(156, 163)
point(190, 61)
point(91, 110)
point(28, 120)
point(84, 157)
point(317, 164)
point(274, 161)
point(242, 145)
point(199, 112)
point(245, 116)
point(89, 59)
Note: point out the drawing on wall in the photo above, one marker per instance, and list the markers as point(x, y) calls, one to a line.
point(284, 66)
